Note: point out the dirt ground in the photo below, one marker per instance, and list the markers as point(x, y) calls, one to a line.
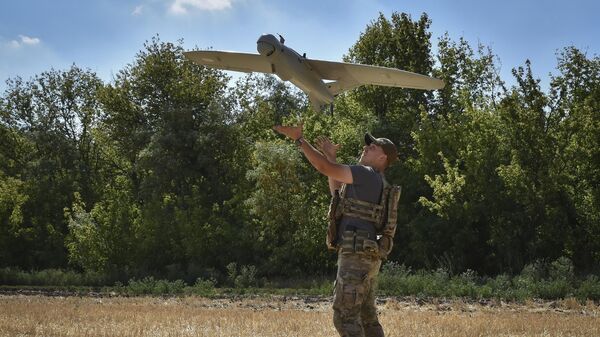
point(42, 315)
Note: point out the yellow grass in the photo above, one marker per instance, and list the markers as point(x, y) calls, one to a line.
point(194, 316)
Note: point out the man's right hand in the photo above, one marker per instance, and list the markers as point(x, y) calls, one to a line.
point(292, 132)
point(327, 147)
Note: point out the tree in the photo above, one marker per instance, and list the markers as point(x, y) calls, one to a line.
point(573, 118)
point(48, 122)
point(171, 125)
point(397, 43)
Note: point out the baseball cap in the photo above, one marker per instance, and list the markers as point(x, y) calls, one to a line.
point(389, 148)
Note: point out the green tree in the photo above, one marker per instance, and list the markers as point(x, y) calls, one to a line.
point(396, 43)
point(574, 102)
point(103, 239)
point(171, 124)
point(48, 122)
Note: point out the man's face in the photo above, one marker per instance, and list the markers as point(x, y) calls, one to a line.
point(371, 154)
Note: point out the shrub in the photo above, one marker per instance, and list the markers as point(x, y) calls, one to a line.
point(204, 287)
point(52, 277)
point(463, 285)
point(150, 286)
point(552, 289)
point(244, 278)
point(589, 289)
point(562, 269)
point(393, 278)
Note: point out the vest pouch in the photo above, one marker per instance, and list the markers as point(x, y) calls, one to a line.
point(333, 220)
point(358, 242)
point(371, 247)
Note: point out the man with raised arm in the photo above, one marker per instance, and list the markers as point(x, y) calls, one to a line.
point(365, 228)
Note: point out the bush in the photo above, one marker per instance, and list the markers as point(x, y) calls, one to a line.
point(589, 289)
point(204, 287)
point(396, 279)
point(546, 280)
point(393, 277)
point(501, 287)
point(554, 280)
point(500, 284)
point(150, 286)
point(562, 269)
point(244, 278)
point(463, 285)
point(52, 277)
point(552, 289)
point(324, 288)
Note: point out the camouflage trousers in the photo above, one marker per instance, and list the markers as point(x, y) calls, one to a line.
point(354, 311)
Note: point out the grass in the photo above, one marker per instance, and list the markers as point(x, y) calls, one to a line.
point(277, 316)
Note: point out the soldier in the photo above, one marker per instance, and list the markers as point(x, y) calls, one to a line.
point(355, 239)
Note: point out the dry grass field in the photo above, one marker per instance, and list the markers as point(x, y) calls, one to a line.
point(262, 317)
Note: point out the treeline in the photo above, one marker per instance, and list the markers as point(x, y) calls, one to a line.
point(168, 171)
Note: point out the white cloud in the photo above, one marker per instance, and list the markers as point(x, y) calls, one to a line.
point(29, 40)
point(14, 44)
point(138, 10)
point(24, 40)
point(182, 6)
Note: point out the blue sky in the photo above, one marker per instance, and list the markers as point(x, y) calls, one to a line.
point(105, 35)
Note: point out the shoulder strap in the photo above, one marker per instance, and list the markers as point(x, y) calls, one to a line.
point(343, 191)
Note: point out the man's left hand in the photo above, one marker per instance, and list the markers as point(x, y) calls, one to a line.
point(327, 147)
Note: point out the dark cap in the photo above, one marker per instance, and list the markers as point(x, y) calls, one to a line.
point(387, 145)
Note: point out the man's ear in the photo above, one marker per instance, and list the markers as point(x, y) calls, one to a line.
point(384, 158)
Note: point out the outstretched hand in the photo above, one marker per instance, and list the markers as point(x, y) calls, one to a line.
point(327, 147)
point(293, 132)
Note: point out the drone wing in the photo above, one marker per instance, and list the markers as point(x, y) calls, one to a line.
point(230, 61)
point(351, 75)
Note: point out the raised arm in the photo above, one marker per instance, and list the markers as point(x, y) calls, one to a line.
point(335, 171)
point(330, 151)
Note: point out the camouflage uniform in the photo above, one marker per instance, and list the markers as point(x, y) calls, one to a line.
point(355, 314)
point(359, 214)
point(354, 311)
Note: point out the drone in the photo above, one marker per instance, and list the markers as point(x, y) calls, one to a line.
point(320, 80)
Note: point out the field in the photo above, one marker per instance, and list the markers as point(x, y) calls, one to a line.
point(27, 315)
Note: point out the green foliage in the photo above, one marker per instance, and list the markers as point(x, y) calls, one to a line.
point(446, 190)
point(12, 199)
point(244, 277)
point(167, 171)
point(151, 286)
point(204, 287)
point(168, 123)
point(102, 239)
point(289, 223)
point(400, 43)
point(52, 277)
point(538, 280)
point(589, 289)
point(47, 143)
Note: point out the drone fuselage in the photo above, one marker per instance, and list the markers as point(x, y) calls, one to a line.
point(288, 65)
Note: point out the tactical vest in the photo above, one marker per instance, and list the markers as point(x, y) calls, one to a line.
point(383, 216)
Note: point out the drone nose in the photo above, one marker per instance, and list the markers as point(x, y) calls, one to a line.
point(266, 44)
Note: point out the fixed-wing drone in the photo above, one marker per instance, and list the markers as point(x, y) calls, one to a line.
point(320, 80)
